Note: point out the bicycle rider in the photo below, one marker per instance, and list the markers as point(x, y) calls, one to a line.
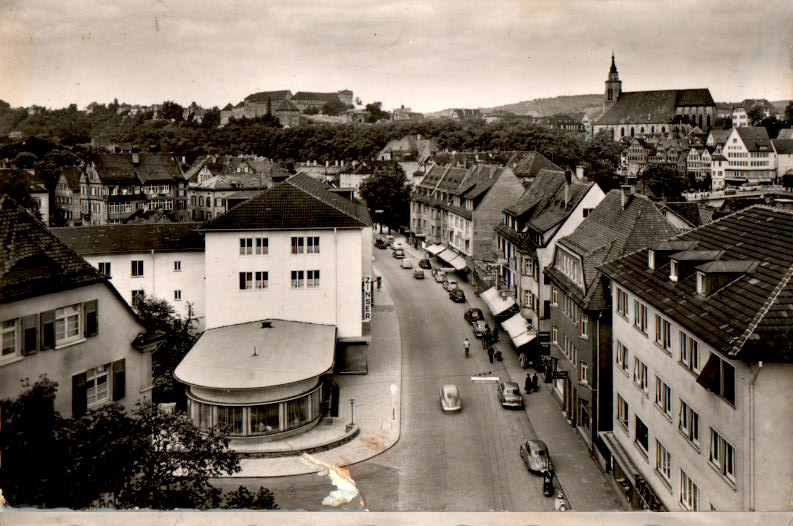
point(466, 345)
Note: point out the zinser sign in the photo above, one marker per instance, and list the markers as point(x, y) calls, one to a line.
point(367, 298)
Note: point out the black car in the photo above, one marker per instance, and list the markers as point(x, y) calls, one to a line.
point(425, 263)
point(471, 315)
point(457, 296)
point(380, 243)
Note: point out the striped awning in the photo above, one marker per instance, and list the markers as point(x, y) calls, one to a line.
point(452, 258)
point(435, 249)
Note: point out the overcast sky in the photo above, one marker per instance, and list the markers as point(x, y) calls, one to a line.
point(425, 54)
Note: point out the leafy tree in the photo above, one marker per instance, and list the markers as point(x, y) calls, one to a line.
point(172, 111)
point(788, 116)
point(787, 181)
point(756, 114)
point(376, 112)
point(243, 498)
point(664, 182)
point(387, 195)
point(16, 184)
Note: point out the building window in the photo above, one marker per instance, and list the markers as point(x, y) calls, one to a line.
point(583, 375)
point(622, 302)
point(97, 385)
point(640, 316)
point(297, 278)
point(312, 245)
point(67, 324)
point(137, 295)
point(582, 326)
point(622, 356)
point(246, 246)
point(312, 278)
point(264, 419)
point(642, 436)
point(722, 455)
point(554, 296)
point(177, 295)
point(246, 280)
point(137, 268)
point(262, 280)
point(663, 397)
point(104, 268)
point(622, 411)
point(262, 246)
point(9, 334)
point(663, 333)
point(555, 334)
point(689, 493)
point(689, 352)
point(640, 374)
point(230, 419)
point(297, 245)
point(688, 423)
point(177, 266)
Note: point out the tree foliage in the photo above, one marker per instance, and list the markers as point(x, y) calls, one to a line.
point(243, 498)
point(664, 182)
point(376, 112)
point(387, 195)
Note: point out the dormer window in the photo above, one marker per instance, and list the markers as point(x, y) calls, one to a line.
point(673, 270)
point(701, 284)
point(651, 259)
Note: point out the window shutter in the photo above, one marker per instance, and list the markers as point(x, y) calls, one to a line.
point(709, 378)
point(30, 334)
point(119, 383)
point(79, 399)
point(91, 318)
point(48, 330)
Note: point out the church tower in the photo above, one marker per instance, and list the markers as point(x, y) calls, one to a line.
point(613, 86)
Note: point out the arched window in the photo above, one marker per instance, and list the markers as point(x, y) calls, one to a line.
point(663, 129)
point(622, 132)
point(652, 129)
point(708, 121)
point(700, 120)
point(632, 132)
point(641, 130)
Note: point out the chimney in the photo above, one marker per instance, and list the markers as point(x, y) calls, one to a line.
point(266, 324)
point(626, 191)
point(579, 172)
point(568, 179)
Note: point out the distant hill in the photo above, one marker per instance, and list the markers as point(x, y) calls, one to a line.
point(575, 105)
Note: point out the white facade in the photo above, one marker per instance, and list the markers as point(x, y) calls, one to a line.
point(754, 166)
point(739, 117)
point(343, 262)
point(177, 277)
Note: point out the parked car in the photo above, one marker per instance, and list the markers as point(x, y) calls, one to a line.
point(425, 263)
point(398, 253)
point(471, 315)
point(440, 276)
point(406, 263)
point(418, 274)
point(450, 399)
point(380, 243)
point(389, 241)
point(509, 394)
point(480, 327)
point(457, 296)
point(535, 455)
point(450, 284)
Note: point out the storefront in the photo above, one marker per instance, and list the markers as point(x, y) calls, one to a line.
point(501, 307)
point(633, 487)
point(258, 380)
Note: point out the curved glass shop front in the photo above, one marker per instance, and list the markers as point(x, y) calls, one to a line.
point(265, 419)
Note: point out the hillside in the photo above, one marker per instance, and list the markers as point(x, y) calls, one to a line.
point(592, 105)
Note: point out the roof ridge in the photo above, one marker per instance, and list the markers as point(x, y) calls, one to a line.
point(327, 202)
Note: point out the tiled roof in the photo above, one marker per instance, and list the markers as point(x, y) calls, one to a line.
point(636, 107)
point(720, 136)
point(114, 168)
point(286, 105)
point(34, 262)
point(529, 164)
point(609, 232)
point(542, 204)
point(300, 202)
point(239, 181)
point(313, 95)
point(695, 214)
point(755, 138)
point(264, 96)
point(122, 239)
point(749, 318)
point(227, 107)
point(72, 175)
point(783, 146)
point(786, 133)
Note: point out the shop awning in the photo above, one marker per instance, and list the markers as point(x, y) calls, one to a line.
point(620, 455)
point(495, 303)
point(452, 258)
point(523, 338)
point(435, 249)
point(519, 330)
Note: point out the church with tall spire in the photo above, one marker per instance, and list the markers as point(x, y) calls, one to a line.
point(652, 113)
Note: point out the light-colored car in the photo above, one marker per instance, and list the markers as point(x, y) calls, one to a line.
point(418, 274)
point(535, 455)
point(509, 395)
point(440, 276)
point(450, 399)
point(398, 253)
point(406, 263)
point(450, 284)
point(480, 327)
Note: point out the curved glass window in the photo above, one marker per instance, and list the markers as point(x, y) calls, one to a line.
point(230, 419)
point(263, 419)
point(296, 412)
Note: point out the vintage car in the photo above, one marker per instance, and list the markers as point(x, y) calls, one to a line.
point(398, 253)
point(406, 263)
point(509, 395)
point(418, 274)
point(425, 263)
point(440, 276)
point(450, 284)
point(457, 296)
point(473, 314)
point(380, 243)
point(535, 455)
point(480, 327)
point(450, 399)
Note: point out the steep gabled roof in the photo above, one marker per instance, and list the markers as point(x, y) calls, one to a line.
point(542, 205)
point(783, 146)
point(755, 138)
point(34, 262)
point(749, 317)
point(528, 164)
point(132, 168)
point(636, 107)
point(264, 96)
point(72, 176)
point(300, 202)
point(314, 95)
point(123, 239)
point(227, 107)
point(286, 105)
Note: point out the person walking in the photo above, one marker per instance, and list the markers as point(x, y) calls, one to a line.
point(466, 345)
point(527, 384)
point(495, 333)
point(535, 384)
point(490, 353)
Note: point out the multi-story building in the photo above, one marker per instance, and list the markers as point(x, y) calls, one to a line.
point(702, 367)
point(698, 163)
point(750, 157)
point(580, 314)
point(67, 196)
point(739, 117)
point(61, 318)
point(164, 261)
point(783, 150)
point(258, 104)
point(310, 99)
point(718, 169)
point(551, 208)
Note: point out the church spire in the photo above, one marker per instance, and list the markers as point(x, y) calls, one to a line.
point(613, 86)
point(613, 65)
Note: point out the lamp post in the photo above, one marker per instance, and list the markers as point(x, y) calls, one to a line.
point(393, 389)
point(352, 407)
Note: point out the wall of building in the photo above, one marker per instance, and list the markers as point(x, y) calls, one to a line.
point(337, 301)
point(490, 213)
point(254, 396)
point(117, 329)
point(784, 164)
point(160, 279)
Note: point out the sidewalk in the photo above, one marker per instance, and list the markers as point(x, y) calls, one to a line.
point(376, 412)
point(584, 485)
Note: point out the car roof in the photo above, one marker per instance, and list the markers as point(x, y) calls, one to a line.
point(449, 389)
point(537, 445)
point(509, 384)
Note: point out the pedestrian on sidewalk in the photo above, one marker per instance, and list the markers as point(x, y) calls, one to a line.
point(535, 384)
point(495, 333)
point(490, 352)
point(527, 384)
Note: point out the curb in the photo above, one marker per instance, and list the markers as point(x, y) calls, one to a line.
point(297, 452)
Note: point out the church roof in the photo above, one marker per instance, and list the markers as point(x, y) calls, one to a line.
point(638, 107)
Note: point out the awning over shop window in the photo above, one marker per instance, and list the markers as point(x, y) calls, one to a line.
point(495, 303)
point(435, 249)
point(519, 330)
point(453, 259)
point(620, 455)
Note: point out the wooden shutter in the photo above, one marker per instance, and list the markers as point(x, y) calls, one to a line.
point(30, 334)
point(91, 318)
point(47, 330)
point(119, 380)
point(79, 400)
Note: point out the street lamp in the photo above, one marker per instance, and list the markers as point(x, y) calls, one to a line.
point(352, 406)
point(393, 389)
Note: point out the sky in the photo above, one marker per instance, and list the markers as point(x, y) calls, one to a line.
point(427, 55)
